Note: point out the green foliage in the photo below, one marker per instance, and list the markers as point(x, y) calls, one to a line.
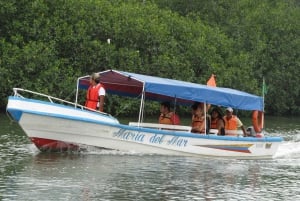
point(46, 45)
point(265, 39)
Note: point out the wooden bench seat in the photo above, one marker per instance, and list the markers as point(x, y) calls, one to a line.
point(161, 126)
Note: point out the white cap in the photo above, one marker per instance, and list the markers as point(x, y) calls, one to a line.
point(229, 109)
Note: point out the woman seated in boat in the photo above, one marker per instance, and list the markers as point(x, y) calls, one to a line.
point(217, 121)
point(232, 123)
point(198, 118)
point(166, 116)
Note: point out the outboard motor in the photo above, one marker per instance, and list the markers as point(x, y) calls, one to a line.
point(250, 131)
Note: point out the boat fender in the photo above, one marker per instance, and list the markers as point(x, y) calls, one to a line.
point(257, 121)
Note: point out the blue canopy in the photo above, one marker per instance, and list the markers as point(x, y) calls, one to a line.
point(162, 89)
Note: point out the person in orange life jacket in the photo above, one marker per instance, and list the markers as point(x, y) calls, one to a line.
point(95, 94)
point(217, 121)
point(198, 118)
point(232, 122)
point(166, 116)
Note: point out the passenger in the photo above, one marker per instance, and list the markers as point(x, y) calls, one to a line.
point(95, 94)
point(207, 106)
point(217, 121)
point(198, 119)
point(166, 116)
point(232, 123)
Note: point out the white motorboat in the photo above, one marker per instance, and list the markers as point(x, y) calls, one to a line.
point(53, 124)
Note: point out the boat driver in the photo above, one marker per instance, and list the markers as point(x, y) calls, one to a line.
point(232, 123)
point(95, 94)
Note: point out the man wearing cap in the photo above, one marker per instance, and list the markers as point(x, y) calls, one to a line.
point(95, 93)
point(232, 123)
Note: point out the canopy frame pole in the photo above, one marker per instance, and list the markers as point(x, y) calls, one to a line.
point(77, 88)
point(263, 102)
point(205, 120)
point(77, 91)
point(141, 113)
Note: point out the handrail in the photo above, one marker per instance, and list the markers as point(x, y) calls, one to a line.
point(51, 99)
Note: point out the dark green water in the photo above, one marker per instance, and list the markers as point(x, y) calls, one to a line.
point(27, 174)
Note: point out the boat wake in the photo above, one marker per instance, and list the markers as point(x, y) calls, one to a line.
point(90, 150)
point(83, 149)
point(289, 149)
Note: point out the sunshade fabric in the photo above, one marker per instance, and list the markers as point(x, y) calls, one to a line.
point(161, 89)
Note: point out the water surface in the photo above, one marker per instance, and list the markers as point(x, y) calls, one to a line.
point(27, 174)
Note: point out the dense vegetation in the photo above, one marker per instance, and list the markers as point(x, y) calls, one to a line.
point(45, 45)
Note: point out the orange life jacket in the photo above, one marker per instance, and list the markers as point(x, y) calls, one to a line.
point(214, 123)
point(92, 96)
point(170, 118)
point(232, 123)
point(198, 122)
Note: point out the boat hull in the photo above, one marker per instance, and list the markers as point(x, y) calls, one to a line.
point(48, 145)
point(67, 128)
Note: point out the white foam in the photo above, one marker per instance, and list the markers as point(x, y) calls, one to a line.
point(289, 149)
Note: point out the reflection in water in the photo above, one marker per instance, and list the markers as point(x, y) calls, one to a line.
point(96, 174)
point(107, 176)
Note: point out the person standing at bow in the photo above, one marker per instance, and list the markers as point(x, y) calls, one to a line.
point(166, 116)
point(232, 123)
point(95, 94)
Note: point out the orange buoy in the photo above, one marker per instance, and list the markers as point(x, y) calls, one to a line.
point(257, 120)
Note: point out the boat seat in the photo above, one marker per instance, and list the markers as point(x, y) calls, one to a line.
point(162, 126)
point(213, 131)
